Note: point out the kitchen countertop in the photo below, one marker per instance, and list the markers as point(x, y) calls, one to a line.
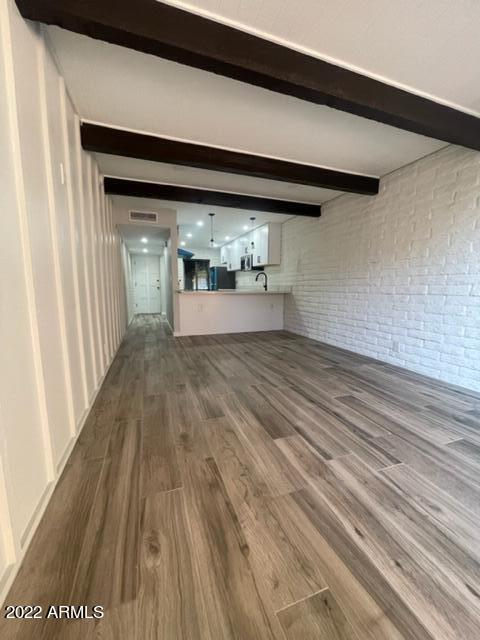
point(236, 292)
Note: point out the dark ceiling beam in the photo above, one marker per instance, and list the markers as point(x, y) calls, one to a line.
point(168, 32)
point(138, 189)
point(146, 147)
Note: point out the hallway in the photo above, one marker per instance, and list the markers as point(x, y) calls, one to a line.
point(262, 486)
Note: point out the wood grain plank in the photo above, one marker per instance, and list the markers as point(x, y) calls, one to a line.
point(455, 572)
point(448, 514)
point(376, 577)
point(397, 419)
point(442, 467)
point(322, 514)
point(331, 434)
point(274, 423)
point(466, 448)
point(414, 578)
point(169, 602)
point(107, 568)
point(232, 600)
point(159, 464)
point(371, 619)
point(278, 475)
point(462, 423)
point(283, 562)
point(316, 618)
point(47, 572)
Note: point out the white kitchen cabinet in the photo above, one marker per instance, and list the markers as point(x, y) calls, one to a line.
point(267, 240)
point(265, 251)
point(230, 257)
point(245, 241)
point(234, 254)
point(260, 251)
point(224, 255)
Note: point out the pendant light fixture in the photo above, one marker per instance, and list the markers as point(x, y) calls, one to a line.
point(212, 239)
point(252, 242)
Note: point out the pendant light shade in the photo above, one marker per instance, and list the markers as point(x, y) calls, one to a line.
point(252, 242)
point(212, 239)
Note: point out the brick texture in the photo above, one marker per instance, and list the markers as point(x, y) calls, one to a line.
point(395, 276)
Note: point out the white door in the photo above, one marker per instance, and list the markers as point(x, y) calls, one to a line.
point(153, 279)
point(146, 284)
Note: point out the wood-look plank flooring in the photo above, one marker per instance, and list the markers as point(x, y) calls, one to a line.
point(257, 486)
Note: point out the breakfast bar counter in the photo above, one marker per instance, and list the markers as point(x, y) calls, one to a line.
point(230, 311)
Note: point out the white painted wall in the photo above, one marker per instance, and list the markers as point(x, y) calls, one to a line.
point(62, 299)
point(172, 311)
point(395, 276)
point(165, 293)
point(128, 277)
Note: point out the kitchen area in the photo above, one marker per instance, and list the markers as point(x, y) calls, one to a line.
point(222, 283)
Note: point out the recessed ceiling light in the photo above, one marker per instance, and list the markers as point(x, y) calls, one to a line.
point(245, 227)
point(200, 223)
point(227, 237)
point(189, 235)
point(145, 250)
point(144, 240)
point(182, 243)
point(215, 245)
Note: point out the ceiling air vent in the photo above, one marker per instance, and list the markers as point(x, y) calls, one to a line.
point(143, 216)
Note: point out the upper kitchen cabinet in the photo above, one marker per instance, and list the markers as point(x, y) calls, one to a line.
point(224, 253)
point(262, 243)
point(244, 244)
point(234, 252)
point(267, 244)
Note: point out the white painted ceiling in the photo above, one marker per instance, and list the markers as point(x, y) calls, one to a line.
point(133, 234)
point(427, 46)
point(117, 86)
point(227, 222)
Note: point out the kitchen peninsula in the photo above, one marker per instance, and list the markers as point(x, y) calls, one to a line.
point(230, 311)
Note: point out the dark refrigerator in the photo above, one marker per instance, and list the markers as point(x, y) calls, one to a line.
point(197, 275)
point(220, 278)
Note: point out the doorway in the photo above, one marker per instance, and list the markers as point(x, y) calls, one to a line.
point(146, 284)
point(148, 265)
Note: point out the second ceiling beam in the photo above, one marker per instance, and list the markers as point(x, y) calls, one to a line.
point(101, 139)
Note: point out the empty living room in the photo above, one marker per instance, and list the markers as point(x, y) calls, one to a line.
point(240, 320)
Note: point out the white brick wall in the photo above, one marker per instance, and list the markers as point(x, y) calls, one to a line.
point(395, 276)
